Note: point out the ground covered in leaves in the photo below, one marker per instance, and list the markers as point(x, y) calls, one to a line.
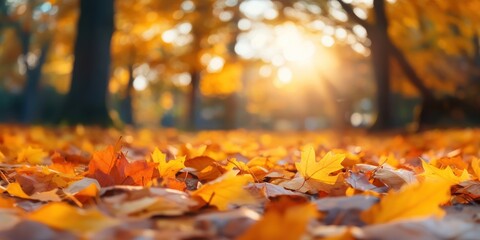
point(71, 183)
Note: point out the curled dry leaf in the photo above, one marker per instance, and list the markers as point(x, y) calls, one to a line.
point(393, 178)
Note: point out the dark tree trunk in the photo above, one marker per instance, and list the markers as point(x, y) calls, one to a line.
point(194, 99)
point(87, 98)
point(31, 89)
point(126, 104)
point(378, 36)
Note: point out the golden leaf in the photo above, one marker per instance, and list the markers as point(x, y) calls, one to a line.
point(31, 155)
point(476, 167)
point(167, 169)
point(412, 201)
point(321, 170)
point(225, 190)
point(282, 221)
point(65, 217)
point(434, 174)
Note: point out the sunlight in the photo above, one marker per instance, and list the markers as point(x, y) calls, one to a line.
point(215, 64)
point(284, 77)
point(170, 35)
point(140, 83)
point(294, 45)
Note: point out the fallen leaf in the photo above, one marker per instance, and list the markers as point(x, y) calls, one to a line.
point(65, 217)
point(393, 178)
point(16, 190)
point(31, 155)
point(167, 169)
point(284, 219)
point(102, 161)
point(434, 174)
point(207, 168)
point(321, 170)
point(476, 167)
point(412, 201)
point(135, 201)
point(225, 190)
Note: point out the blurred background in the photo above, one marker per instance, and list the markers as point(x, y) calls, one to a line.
point(255, 64)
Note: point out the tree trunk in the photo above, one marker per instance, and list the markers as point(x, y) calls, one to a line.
point(87, 99)
point(381, 71)
point(31, 89)
point(126, 108)
point(378, 35)
point(194, 99)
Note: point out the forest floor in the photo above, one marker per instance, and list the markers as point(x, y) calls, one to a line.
point(71, 183)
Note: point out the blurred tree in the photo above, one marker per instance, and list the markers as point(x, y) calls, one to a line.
point(418, 36)
point(34, 24)
point(137, 42)
point(86, 100)
point(440, 39)
point(383, 50)
point(198, 46)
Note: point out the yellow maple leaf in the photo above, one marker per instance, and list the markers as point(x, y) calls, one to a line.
point(225, 190)
point(434, 174)
point(2, 157)
point(283, 222)
point(65, 217)
point(31, 155)
point(167, 169)
point(412, 201)
point(319, 170)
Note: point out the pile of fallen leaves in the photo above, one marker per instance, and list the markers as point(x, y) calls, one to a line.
point(71, 183)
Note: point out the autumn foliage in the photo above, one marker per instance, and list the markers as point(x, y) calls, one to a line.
point(93, 183)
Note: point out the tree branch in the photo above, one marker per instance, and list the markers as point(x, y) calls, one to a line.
point(348, 8)
point(411, 74)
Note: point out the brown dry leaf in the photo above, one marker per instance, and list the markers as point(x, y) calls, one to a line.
point(393, 178)
point(207, 168)
point(360, 182)
point(269, 190)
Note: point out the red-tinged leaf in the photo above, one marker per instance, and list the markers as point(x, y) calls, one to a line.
point(103, 161)
point(140, 171)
